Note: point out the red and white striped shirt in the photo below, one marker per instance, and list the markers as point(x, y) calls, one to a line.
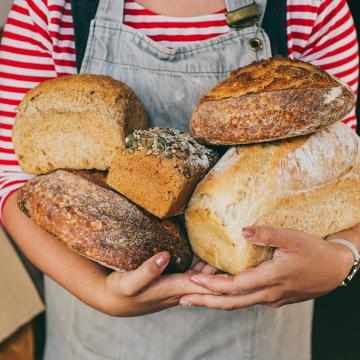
point(38, 44)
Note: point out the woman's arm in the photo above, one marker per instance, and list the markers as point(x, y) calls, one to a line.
point(47, 253)
point(135, 293)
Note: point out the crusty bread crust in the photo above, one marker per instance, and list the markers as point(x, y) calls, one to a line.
point(76, 122)
point(310, 183)
point(101, 224)
point(270, 100)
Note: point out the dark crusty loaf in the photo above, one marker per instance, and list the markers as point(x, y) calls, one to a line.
point(99, 223)
point(269, 100)
point(75, 122)
point(310, 183)
point(159, 168)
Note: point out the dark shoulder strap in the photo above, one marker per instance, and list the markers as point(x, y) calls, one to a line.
point(83, 12)
point(274, 23)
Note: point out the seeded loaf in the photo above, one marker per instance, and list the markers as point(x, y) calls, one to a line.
point(269, 100)
point(99, 223)
point(310, 183)
point(159, 168)
point(75, 122)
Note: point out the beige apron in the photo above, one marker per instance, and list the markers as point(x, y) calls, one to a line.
point(170, 82)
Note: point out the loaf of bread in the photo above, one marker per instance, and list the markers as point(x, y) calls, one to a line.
point(310, 183)
point(158, 169)
point(269, 100)
point(99, 223)
point(75, 122)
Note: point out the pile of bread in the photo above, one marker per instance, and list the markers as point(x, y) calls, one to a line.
point(112, 188)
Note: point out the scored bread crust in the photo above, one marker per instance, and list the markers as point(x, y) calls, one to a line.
point(308, 183)
point(270, 100)
point(76, 122)
point(100, 224)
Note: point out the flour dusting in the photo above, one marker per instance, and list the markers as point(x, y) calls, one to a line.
point(332, 95)
point(314, 161)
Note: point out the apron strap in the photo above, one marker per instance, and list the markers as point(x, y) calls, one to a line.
point(232, 5)
point(112, 10)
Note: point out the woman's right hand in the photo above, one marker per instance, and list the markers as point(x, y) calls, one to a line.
point(145, 290)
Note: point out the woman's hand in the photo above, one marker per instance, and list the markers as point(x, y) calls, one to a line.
point(303, 267)
point(145, 291)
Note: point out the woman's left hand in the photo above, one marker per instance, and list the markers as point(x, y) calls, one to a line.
point(303, 267)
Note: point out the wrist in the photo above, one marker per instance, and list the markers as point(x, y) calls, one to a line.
point(108, 301)
point(345, 261)
point(114, 301)
point(352, 235)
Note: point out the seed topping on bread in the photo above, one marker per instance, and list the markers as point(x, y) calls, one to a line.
point(171, 144)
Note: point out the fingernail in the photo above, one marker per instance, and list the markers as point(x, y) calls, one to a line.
point(248, 232)
point(162, 259)
point(185, 303)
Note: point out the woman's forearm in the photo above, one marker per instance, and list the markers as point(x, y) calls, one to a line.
point(82, 277)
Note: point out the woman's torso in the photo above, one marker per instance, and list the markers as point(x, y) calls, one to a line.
point(170, 81)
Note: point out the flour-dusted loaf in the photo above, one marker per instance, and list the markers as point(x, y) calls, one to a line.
point(159, 168)
point(269, 100)
point(99, 223)
point(311, 183)
point(75, 122)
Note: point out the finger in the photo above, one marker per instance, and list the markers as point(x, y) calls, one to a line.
point(264, 275)
point(176, 285)
point(208, 269)
point(276, 237)
point(225, 302)
point(198, 266)
point(133, 282)
point(203, 268)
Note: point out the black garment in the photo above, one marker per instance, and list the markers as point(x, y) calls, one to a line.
point(336, 326)
point(274, 24)
point(336, 331)
point(83, 11)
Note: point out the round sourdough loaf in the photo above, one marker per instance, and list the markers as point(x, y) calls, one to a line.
point(75, 122)
point(310, 183)
point(96, 222)
point(269, 100)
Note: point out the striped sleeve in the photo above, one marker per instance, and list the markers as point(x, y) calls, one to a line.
point(25, 61)
point(324, 34)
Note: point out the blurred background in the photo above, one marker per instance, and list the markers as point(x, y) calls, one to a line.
point(4, 9)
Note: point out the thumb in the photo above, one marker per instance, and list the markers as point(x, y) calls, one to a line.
point(275, 237)
point(133, 282)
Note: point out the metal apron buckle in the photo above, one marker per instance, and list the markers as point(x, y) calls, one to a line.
point(245, 17)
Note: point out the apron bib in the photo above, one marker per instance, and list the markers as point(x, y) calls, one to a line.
point(170, 82)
